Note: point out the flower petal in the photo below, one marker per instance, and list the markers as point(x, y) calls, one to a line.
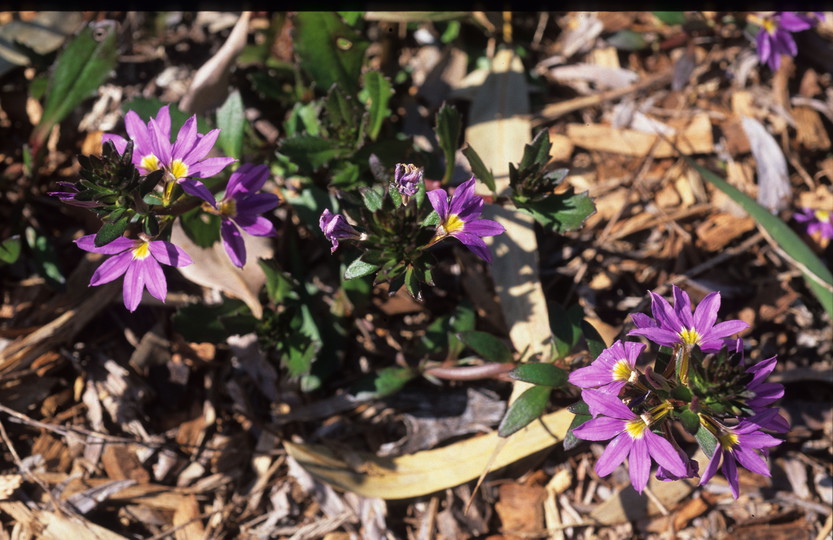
point(185, 140)
point(233, 243)
point(730, 471)
point(87, 243)
point(665, 454)
point(196, 188)
point(160, 143)
point(615, 453)
point(134, 284)
point(751, 460)
point(119, 142)
point(659, 336)
point(258, 226)
point(602, 428)
point(711, 468)
point(475, 244)
point(682, 307)
point(484, 227)
point(111, 269)
point(209, 167)
point(639, 464)
point(138, 132)
point(664, 313)
point(463, 198)
point(439, 200)
point(153, 277)
point(706, 312)
point(257, 203)
point(203, 146)
point(793, 22)
point(168, 253)
point(606, 404)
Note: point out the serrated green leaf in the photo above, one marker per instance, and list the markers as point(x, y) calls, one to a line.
point(487, 346)
point(448, 133)
point(382, 383)
point(311, 153)
point(529, 406)
point(10, 249)
point(373, 197)
point(201, 227)
point(560, 212)
point(536, 153)
point(432, 220)
point(540, 373)
point(303, 118)
point(110, 231)
point(478, 168)
point(817, 275)
point(359, 268)
point(80, 69)
point(280, 286)
point(379, 92)
point(412, 283)
point(330, 51)
point(231, 119)
point(595, 342)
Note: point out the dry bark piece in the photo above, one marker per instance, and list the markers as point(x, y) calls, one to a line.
point(719, 230)
point(521, 508)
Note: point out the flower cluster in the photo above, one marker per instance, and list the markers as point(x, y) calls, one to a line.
point(724, 402)
point(396, 227)
point(775, 35)
point(135, 184)
point(816, 221)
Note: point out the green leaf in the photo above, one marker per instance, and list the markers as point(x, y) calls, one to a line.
point(478, 168)
point(690, 421)
point(670, 18)
point(706, 441)
point(231, 119)
point(10, 249)
point(379, 92)
point(214, 324)
point(373, 197)
point(280, 286)
point(110, 231)
point(560, 212)
point(566, 327)
point(412, 283)
point(628, 40)
point(540, 373)
point(79, 70)
point(487, 346)
point(582, 415)
point(303, 118)
point(595, 342)
point(448, 133)
point(529, 406)
point(432, 220)
point(201, 227)
point(359, 268)
point(536, 153)
point(817, 275)
point(46, 260)
point(682, 393)
point(330, 51)
point(310, 153)
point(383, 383)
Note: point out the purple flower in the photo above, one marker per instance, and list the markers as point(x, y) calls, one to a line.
point(672, 326)
point(611, 370)
point(765, 393)
point(139, 261)
point(336, 228)
point(460, 219)
point(775, 36)
point(692, 468)
point(817, 221)
point(68, 196)
point(408, 178)
point(632, 439)
point(241, 208)
point(739, 445)
point(183, 160)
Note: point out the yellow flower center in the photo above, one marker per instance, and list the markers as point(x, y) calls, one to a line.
point(621, 371)
point(822, 215)
point(728, 440)
point(636, 428)
point(149, 163)
point(453, 224)
point(690, 336)
point(179, 169)
point(142, 251)
point(770, 26)
point(228, 208)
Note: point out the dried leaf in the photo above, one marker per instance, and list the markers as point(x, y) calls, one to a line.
point(212, 267)
point(774, 191)
point(209, 88)
point(603, 77)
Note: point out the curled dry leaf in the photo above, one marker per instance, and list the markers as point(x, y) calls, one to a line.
point(773, 181)
point(212, 267)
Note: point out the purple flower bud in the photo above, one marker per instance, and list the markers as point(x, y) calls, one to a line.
point(336, 228)
point(408, 178)
point(68, 196)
